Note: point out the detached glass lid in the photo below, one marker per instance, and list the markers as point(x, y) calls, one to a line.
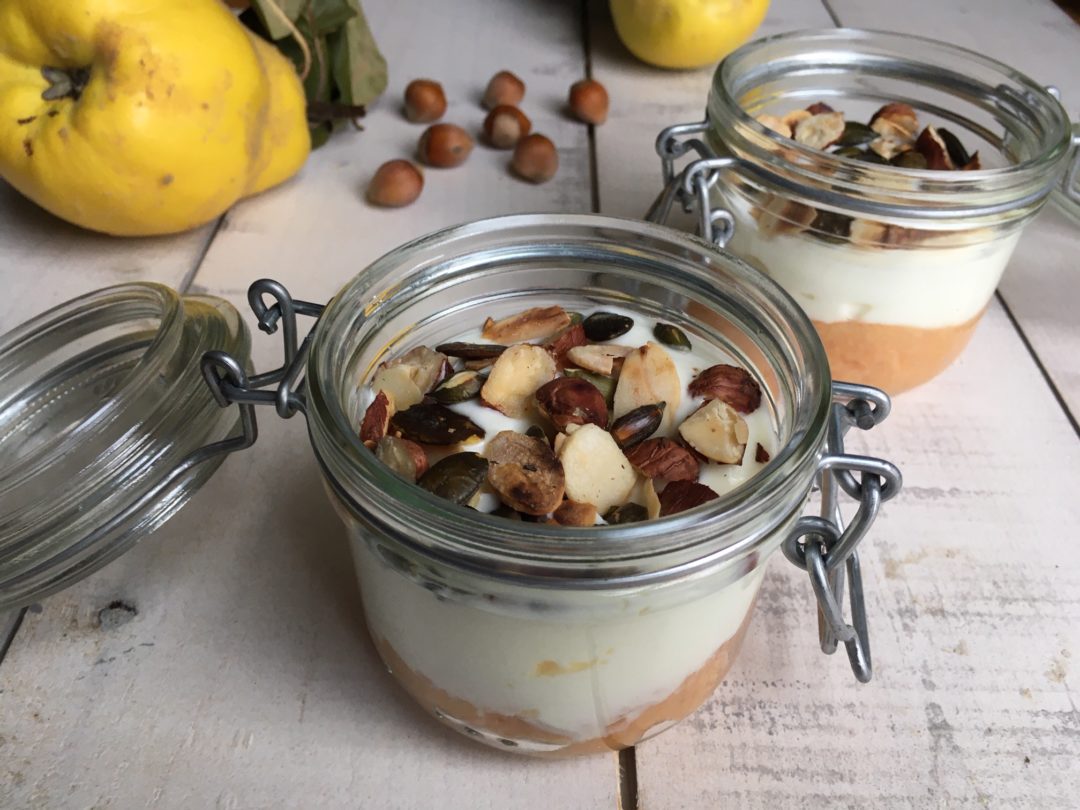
point(102, 404)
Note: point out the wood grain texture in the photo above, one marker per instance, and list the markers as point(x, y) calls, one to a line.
point(972, 576)
point(246, 678)
point(1041, 285)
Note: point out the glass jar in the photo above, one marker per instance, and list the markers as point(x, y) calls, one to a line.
point(555, 640)
point(893, 265)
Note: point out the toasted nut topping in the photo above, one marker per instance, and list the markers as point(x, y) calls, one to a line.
point(605, 385)
point(627, 513)
point(572, 401)
point(376, 419)
point(518, 372)
point(567, 339)
point(781, 216)
point(794, 118)
point(653, 506)
point(397, 383)
point(856, 134)
point(648, 376)
point(433, 424)
point(461, 387)
point(867, 232)
point(717, 432)
point(664, 458)
point(537, 323)
point(426, 368)
point(525, 473)
point(889, 148)
point(471, 351)
point(407, 459)
point(820, 131)
point(732, 384)
point(761, 455)
point(932, 147)
point(599, 359)
point(896, 120)
point(457, 478)
point(596, 470)
point(572, 513)
point(602, 326)
point(819, 107)
point(776, 124)
point(678, 496)
point(637, 425)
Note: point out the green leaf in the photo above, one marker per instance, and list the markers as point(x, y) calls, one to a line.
point(359, 69)
point(274, 26)
point(328, 16)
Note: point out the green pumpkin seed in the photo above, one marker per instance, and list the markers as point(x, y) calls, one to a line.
point(831, 227)
point(856, 134)
point(433, 424)
point(627, 513)
point(456, 478)
point(537, 432)
point(957, 153)
point(575, 318)
point(471, 351)
point(672, 336)
point(606, 385)
point(636, 426)
point(461, 387)
point(601, 326)
point(869, 156)
point(909, 160)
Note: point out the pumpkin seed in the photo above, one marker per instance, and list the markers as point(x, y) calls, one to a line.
point(637, 425)
point(831, 227)
point(856, 134)
point(957, 152)
point(471, 351)
point(461, 387)
point(910, 160)
point(672, 336)
point(504, 511)
point(606, 385)
point(601, 326)
point(537, 432)
point(575, 318)
point(433, 424)
point(869, 156)
point(627, 513)
point(456, 478)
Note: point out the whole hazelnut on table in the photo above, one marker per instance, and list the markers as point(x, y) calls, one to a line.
point(395, 183)
point(589, 101)
point(424, 101)
point(444, 146)
point(505, 126)
point(535, 159)
point(504, 88)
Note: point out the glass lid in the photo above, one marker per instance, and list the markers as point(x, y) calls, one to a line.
point(101, 398)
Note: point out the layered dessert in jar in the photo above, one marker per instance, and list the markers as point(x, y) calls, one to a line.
point(564, 415)
point(883, 180)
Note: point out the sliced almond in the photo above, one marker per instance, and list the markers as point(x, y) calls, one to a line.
point(398, 384)
point(778, 125)
point(794, 118)
point(780, 215)
point(596, 470)
point(716, 431)
point(931, 146)
point(896, 120)
point(652, 500)
point(426, 368)
point(889, 148)
point(572, 513)
point(648, 376)
point(867, 233)
point(598, 359)
point(820, 131)
point(514, 378)
point(538, 323)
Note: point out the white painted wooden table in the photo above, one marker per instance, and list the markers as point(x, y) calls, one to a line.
point(245, 678)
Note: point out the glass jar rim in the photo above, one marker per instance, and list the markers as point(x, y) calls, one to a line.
point(605, 556)
point(828, 177)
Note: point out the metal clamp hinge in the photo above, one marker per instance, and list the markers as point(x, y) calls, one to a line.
point(822, 545)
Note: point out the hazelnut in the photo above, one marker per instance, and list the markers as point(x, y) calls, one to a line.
point(444, 146)
point(535, 159)
point(589, 101)
point(424, 101)
point(504, 88)
point(505, 126)
point(395, 183)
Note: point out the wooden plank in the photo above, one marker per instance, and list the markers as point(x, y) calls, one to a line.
point(246, 678)
point(1041, 286)
point(972, 577)
point(46, 261)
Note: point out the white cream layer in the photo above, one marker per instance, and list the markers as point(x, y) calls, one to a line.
point(920, 286)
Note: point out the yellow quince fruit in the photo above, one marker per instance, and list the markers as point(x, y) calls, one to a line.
point(143, 117)
point(685, 33)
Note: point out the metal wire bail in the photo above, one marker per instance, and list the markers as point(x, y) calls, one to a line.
point(822, 545)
